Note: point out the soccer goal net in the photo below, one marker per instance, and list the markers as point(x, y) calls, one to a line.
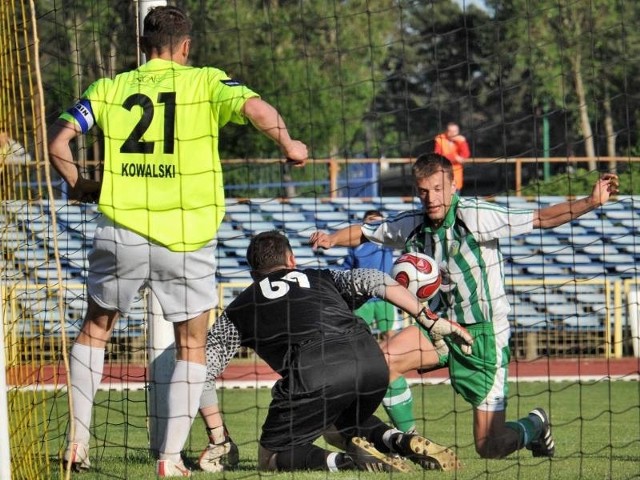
point(531, 101)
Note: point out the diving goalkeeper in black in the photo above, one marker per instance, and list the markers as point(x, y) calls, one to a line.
point(333, 373)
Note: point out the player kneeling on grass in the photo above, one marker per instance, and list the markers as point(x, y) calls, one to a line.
point(463, 235)
point(301, 323)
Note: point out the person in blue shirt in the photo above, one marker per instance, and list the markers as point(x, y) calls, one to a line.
point(381, 317)
point(379, 314)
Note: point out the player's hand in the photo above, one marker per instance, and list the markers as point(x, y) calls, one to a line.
point(295, 153)
point(85, 190)
point(439, 345)
point(443, 327)
point(320, 239)
point(606, 186)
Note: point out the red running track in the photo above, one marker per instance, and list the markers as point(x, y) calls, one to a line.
point(249, 372)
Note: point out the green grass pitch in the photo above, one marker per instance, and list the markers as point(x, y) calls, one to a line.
point(596, 428)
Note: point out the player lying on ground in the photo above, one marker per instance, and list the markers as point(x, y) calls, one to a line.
point(462, 235)
point(301, 323)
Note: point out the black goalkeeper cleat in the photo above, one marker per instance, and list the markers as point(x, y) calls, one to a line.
point(544, 446)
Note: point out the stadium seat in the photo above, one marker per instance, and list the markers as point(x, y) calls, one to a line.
point(625, 214)
point(257, 227)
point(569, 228)
point(585, 240)
point(617, 258)
point(545, 270)
point(599, 250)
point(590, 322)
point(243, 217)
point(529, 260)
point(548, 298)
point(345, 201)
point(324, 218)
point(228, 262)
point(572, 258)
point(611, 230)
point(234, 273)
point(593, 223)
point(228, 233)
point(592, 270)
point(317, 207)
point(285, 217)
point(560, 311)
point(240, 242)
point(232, 208)
point(304, 200)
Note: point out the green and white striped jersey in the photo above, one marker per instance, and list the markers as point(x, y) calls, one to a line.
point(466, 246)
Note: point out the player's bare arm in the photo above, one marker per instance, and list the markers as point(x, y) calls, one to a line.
point(61, 157)
point(267, 119)
point(350, 236)
point(556, 215)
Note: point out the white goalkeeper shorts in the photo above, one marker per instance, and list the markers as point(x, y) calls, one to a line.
point(122, 262)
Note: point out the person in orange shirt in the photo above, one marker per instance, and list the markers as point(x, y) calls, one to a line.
point(454, 147)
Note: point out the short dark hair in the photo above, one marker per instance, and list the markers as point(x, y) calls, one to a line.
point(372, 213)
point(429, 163)
point(164, 28)
point(267, 250)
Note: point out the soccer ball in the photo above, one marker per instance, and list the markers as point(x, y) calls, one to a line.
point(419, 273)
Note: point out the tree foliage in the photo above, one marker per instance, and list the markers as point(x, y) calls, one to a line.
point(362, 78)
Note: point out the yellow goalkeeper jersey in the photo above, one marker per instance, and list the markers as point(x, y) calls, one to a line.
point(162, 173)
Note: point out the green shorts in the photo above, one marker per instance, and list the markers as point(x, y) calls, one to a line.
point(379, 315)
point(481, 378)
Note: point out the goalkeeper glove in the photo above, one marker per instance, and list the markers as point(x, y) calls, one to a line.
point(441, 327)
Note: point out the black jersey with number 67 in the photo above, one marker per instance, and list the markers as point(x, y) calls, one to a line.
point(289, 308)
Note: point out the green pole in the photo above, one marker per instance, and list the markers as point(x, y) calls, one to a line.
point(545, 140)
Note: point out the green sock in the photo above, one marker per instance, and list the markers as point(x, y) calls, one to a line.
point(398, 403)
point(527, 430)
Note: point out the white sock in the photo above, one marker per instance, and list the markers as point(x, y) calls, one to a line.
point(386, 437)
point(86, 365)
point(186, 387)
point(331, 462)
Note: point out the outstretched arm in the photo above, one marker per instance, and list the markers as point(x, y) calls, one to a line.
point(556, 215)
point(350, 236)
point(266, 118)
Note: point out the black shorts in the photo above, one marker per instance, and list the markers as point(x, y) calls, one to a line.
point(339, 381)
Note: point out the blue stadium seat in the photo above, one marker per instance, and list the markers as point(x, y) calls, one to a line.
point(286, 217)
point(234, 274)
point(593, 223)
point(582, 240)
point(599, 250)
point(335, 217)
point(228, 262)
point(274, 207)
point(545, 270)
point(317, 207)
point(568, 229)
point(559, 311)
point(591, 270)
point(257, 227)
point(583, 322)
point(617, 215)
point(548, 298)
point(232, 207)
point(537, 240)
point(241, 242)
point(245, 217)
point(611, 230)
point(572, 258)
point(304, 200)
